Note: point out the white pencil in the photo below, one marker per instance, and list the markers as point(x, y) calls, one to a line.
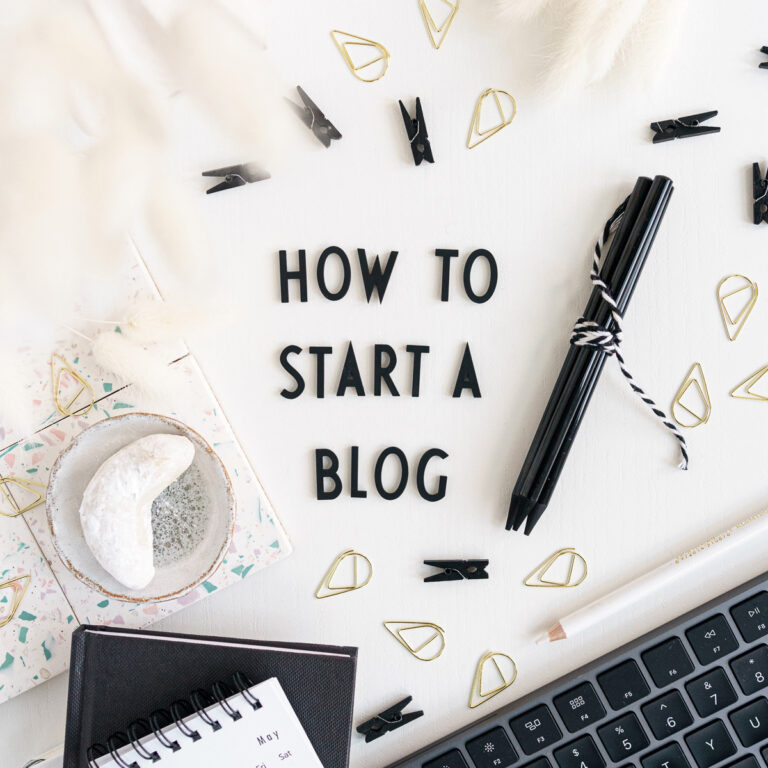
point(660, 579)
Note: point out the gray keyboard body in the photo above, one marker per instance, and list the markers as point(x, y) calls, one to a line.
point(690, 694)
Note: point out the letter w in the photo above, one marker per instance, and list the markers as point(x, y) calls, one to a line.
point(373, 276)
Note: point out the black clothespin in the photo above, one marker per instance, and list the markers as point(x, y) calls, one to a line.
point(764, 65)
point(325, 131)
point(417, 134)
point(389, 720)
point(236, 176)
point(759, 194)
point(683, 127)
point(456, 570)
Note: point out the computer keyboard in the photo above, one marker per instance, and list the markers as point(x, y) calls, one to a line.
point(690, 694)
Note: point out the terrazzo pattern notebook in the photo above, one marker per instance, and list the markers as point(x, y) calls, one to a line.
point(41, 602)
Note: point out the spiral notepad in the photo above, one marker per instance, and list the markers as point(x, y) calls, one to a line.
point(237, 724)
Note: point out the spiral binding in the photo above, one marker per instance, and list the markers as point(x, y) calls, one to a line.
point(161, 719)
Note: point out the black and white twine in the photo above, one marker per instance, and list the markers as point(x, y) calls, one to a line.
point(588, 333)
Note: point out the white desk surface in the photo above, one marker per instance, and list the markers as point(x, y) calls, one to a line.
point(534, 195)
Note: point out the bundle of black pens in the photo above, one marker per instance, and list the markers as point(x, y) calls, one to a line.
point(620, 269)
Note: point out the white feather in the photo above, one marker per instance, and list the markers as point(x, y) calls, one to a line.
point(145, 368)
point(524, 10)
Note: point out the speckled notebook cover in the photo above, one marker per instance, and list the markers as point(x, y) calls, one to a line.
point(41, 602)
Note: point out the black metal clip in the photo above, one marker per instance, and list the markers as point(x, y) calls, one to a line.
point(759, 194)
point(325, 131)
point(417, 134)
point(389, 720)
point(683, 127)
point(236, 176)
point(764, 65)
point(456, 570)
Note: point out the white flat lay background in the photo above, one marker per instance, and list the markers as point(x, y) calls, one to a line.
point(534, 195)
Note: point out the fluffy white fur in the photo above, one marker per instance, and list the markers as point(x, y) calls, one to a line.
point(592, 36)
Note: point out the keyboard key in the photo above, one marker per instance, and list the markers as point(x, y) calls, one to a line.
point(764, 753)
point(748, 761)
point(492, 750)
point(536, 729)
point(667, 715)
point(581, 753)
point(452, 759)
point(710, 744)
point(579, 707)
point(751, 722)
point(711, 692)
point(668, 662)
point(670, 756)
point(541, 762)
point(712, 639)
point(751, 617)
point(623, 737)
point(751, 669)
point(624, 684)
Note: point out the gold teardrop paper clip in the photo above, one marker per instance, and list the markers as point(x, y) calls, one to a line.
point(477, 695)
point(363, 42)
point(474, 128)
point(747, 384)
point(326, 588)
point(396, 629)
point(36, 489)
point(437, 33)
point(733, 325)
point(700, 384)
point(536, 577)
point(65, 407)
point(18, 587)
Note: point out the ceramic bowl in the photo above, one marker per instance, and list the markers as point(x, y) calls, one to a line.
point(178, 570)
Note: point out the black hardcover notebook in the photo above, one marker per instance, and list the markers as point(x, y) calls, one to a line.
point(118, 676)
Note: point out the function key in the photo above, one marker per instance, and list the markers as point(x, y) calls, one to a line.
point(751, 670)
point(492, 750)
point(536, 729)
point(710, 744)
point(579, 707)
point(712, 639)
point(581, 753)
point(452, 759)
point(751, 617)
point(670, 756)
point(624, 684)
point(667, 715)
point(623, 737)
point(668, 662)
point(751, 722)
point(711, 692)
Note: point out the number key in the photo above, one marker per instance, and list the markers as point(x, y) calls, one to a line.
point(624, 684)
point(668, 662)
point(751, 669)
point(667, 715)
point(623, 737)
point(492, 750)
point(710, 744)
point(536, 729)
point(579, 707)
point(751, 617)
point(712, 639)
point(711, 692)
point(581, 753)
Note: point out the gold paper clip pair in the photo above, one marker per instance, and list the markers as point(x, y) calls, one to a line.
point(539, 576)
point(692, 405)
point(28, 495)
point(736, 296)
